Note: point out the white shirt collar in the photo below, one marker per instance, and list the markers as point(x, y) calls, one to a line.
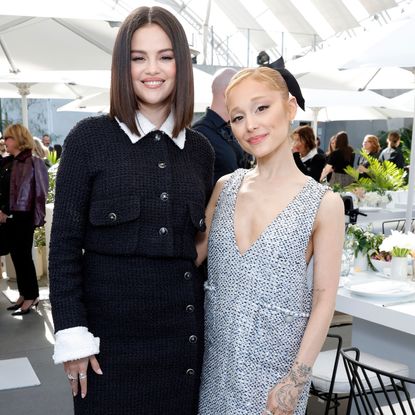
point(145, 126)
point(309, 155)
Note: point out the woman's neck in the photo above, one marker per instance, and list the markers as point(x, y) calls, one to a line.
point(156, 114)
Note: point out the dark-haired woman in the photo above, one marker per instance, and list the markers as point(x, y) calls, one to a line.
point(306, 155)
point(392, 152)
point(127, 299)
point(342, 156)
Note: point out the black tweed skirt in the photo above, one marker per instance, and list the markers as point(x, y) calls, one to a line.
point(148, 313)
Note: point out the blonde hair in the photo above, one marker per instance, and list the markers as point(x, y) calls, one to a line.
point(269, 76)
point(374, 142)
point(21, 135)
point(2, 146)
point(40, 149)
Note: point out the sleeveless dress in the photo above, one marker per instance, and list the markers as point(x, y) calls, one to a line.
point(256, 304)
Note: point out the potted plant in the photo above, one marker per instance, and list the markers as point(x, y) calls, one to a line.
point(365, 244)
point(383, 176)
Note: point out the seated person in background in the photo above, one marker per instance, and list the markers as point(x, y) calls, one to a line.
point(338, 160)
point(393, 152)
point(306, 156)
point(371, 147)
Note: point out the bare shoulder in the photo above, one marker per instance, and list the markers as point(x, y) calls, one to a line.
point(218, 188)
point(331, 207)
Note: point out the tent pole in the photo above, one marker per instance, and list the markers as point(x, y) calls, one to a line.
point(24, 91)
point(411, 181)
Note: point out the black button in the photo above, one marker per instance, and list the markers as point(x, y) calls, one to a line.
point(193, 339)
point(190, 372)
point(187, 275)
point(163, 231)
point(157, 137)
point(164, 196)
point(202, 224)
point(162, 165)
point(112, 216)
point(190, 308)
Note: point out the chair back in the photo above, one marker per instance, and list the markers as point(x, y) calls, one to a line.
point(375, 391)
point(395, 225)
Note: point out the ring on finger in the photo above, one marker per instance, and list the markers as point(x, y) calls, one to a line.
point(82, 376)
point(268, 412)
point(70, 377)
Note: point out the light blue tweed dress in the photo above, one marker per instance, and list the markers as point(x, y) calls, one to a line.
point(257, 304)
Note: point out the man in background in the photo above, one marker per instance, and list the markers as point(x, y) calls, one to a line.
point(47, 141)
point(214, 125)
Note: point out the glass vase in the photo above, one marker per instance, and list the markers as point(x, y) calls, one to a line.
point(399, 268)
point(360, 262)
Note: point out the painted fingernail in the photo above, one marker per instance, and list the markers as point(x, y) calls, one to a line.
point(74, 394)
point(99, 371)
point(83, 395)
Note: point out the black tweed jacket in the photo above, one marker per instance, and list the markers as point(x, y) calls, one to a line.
point(118, 198)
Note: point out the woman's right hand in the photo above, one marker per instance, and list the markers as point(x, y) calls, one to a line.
point(76, 371)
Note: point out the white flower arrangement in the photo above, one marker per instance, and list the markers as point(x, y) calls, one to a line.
point(375, 199)
point(399, 244)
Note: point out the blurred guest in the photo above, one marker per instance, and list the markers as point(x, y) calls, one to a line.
point(23, 190)
point(371, 147)
point(46, 141)
point(318, 144)
point(58, 149)
point(393, 152)
point(214, 125)
point(305, 152)
point(3, 149)
point(338, 160)
point(41, 151)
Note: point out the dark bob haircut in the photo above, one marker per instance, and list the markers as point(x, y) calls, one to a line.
point(123, 101)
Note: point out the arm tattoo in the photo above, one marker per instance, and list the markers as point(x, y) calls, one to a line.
point(287, 395)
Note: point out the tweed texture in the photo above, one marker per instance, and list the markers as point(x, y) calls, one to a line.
point(121, 263)
point(256, 304)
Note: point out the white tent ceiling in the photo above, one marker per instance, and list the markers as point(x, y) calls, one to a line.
point(236, 29)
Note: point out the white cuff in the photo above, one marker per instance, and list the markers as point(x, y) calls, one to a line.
point(74, 343)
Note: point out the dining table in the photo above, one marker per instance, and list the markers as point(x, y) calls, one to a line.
point(383, 312)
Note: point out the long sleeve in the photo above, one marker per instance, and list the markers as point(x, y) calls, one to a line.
point(68, 228)
point(41, 191)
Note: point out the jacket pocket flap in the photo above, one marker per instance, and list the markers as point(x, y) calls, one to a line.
point(111, 212)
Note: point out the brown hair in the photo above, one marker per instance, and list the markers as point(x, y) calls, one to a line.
point(123, 101)
point(374, 142)
point(21, 135)
point(306, 135)
point(393, 139)
point(342, 144)
point(262, 74)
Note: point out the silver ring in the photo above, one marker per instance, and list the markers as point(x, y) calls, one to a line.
point(268, 412)
point(82, 375)
point(70, 377)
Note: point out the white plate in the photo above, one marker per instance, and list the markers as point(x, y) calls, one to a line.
point(368, 209)
point(387, 288)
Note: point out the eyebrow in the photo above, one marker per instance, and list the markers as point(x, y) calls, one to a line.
point(145, 52)
point(252, 99)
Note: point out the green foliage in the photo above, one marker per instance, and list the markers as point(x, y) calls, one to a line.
point(364, 241)
point(39, 236)
point(52, 183)
point(52, 157)
point(383, 176)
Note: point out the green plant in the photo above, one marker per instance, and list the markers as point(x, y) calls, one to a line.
point(52, 183)
point(39, 236)
point(365, 242)
point(382, 176)
point(52, 157)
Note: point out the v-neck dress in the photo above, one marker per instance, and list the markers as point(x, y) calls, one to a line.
point(257, 304)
